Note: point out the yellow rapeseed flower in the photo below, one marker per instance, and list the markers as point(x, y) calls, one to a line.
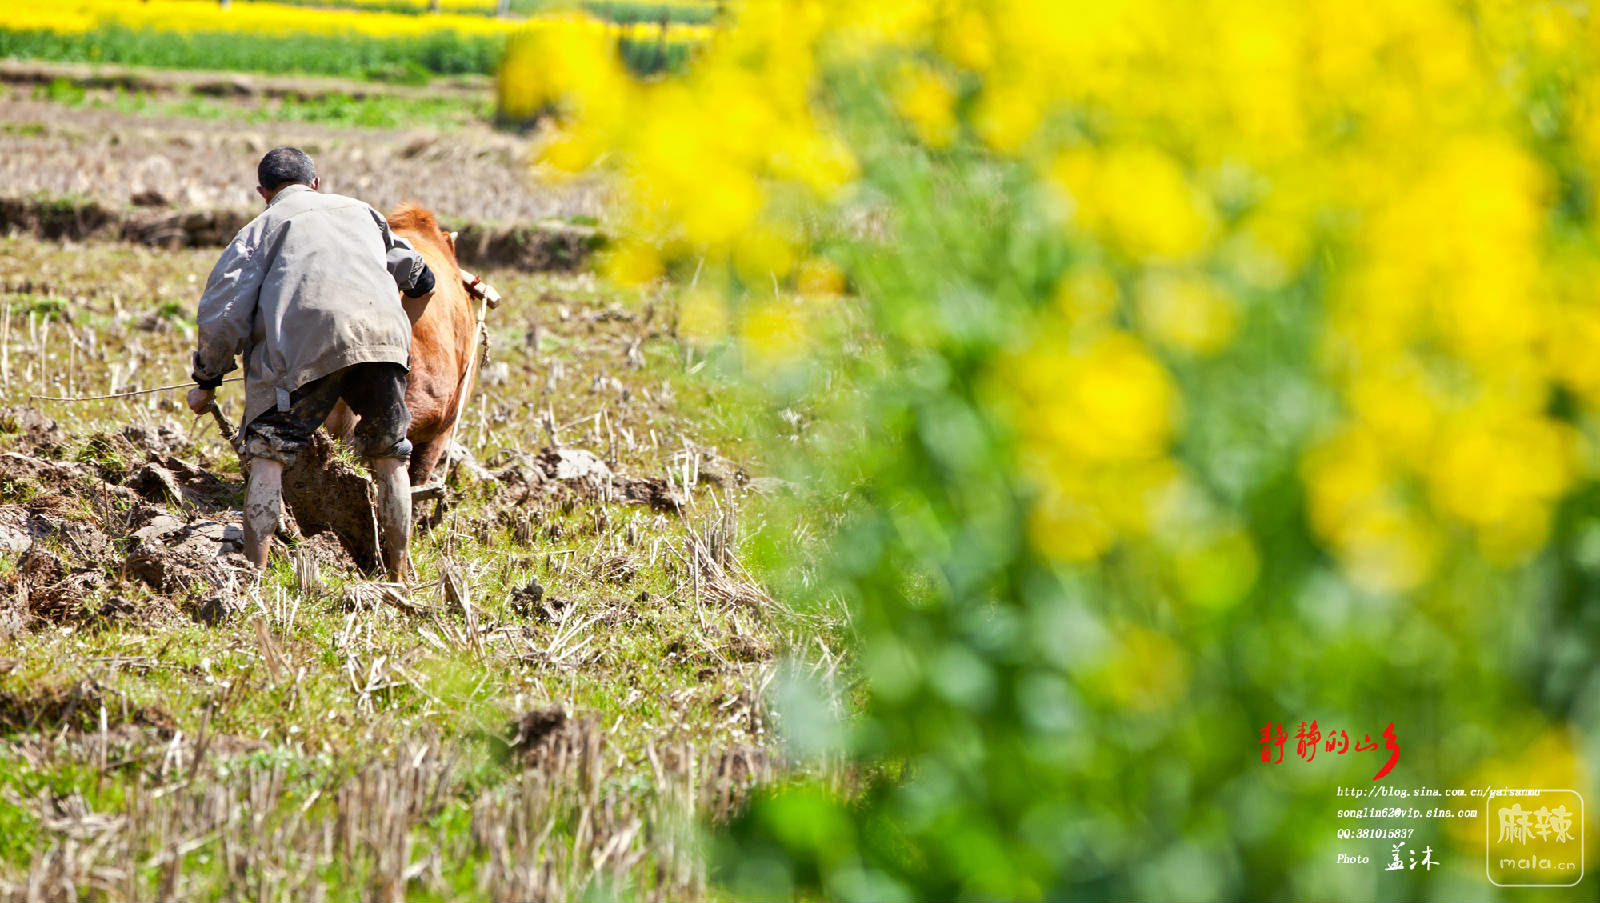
point(1383, 182)
point(183, 16)
point(633, 263)
point(967, 40)
point(927, 101)
point(702, 316)
point(1186, 311)
point(819, 276)
point(1138, 200)
point(775, 333)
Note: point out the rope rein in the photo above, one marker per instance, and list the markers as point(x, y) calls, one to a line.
point(474, 285)
point(231, 379)
point(487, 297)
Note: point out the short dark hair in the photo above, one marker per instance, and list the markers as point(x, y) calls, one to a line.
point(284, 165)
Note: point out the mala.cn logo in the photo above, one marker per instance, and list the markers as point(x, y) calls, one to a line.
point(1534, 838)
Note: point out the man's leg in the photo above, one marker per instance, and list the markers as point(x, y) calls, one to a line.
point(263, 498)
point(394, 516)
point(377, 394)
point(271, 442)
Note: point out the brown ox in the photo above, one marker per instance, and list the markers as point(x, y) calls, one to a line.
point(444, 331)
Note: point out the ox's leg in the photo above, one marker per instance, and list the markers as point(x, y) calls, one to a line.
point(426, 456)
point(341, 423)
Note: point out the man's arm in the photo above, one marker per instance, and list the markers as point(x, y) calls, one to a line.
point(411, 273)
point(227, 312)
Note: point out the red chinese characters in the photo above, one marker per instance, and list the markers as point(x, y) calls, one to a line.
point(1310, 735)
point(1338, 744)
point(1268, 741)
point(1393, 746)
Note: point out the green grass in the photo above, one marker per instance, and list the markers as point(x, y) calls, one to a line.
point(376, 111)
point(334, 108)
point(62, 90)
point(412, 60)
point(42, 306)
point(398, 59)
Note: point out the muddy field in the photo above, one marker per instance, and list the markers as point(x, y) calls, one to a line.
point(112, 156)
point(89, 147)
point(577, 678)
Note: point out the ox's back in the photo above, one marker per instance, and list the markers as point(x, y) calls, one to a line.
point(443, 338)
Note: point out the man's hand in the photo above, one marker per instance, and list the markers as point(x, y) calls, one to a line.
point(200, 399)
point(423, 285)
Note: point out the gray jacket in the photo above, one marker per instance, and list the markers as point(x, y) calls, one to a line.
point(307, 288)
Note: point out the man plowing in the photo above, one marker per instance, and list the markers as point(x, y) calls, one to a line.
point(306, 294)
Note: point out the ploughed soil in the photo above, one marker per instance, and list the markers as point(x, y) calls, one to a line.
point(119, 526)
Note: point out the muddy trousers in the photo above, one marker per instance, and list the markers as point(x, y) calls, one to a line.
point(375, 392)
point(394, 516)
point(263, 500)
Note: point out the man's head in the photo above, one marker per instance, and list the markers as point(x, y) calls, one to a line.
point(284, 166)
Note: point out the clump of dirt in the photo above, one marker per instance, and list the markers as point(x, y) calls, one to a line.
point(87, 531)
point(59, 593)
point(13, 617)
point(550, 740)
point(70, 571)
point(61, 569)
point(575, 473)
point(714, 468)
point(327, 550)
point(527, 600)
point(538, 725)
point(167, 479)
point(45, 484)
point(652, 492)
point(573, 465)
point(172, 555)
point(327, 494)
point(146, 460)
point(156, 439)
point(215, 605)
point(32, 427)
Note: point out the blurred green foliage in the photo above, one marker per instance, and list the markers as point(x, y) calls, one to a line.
point(628, 12)
point(1046, 707)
